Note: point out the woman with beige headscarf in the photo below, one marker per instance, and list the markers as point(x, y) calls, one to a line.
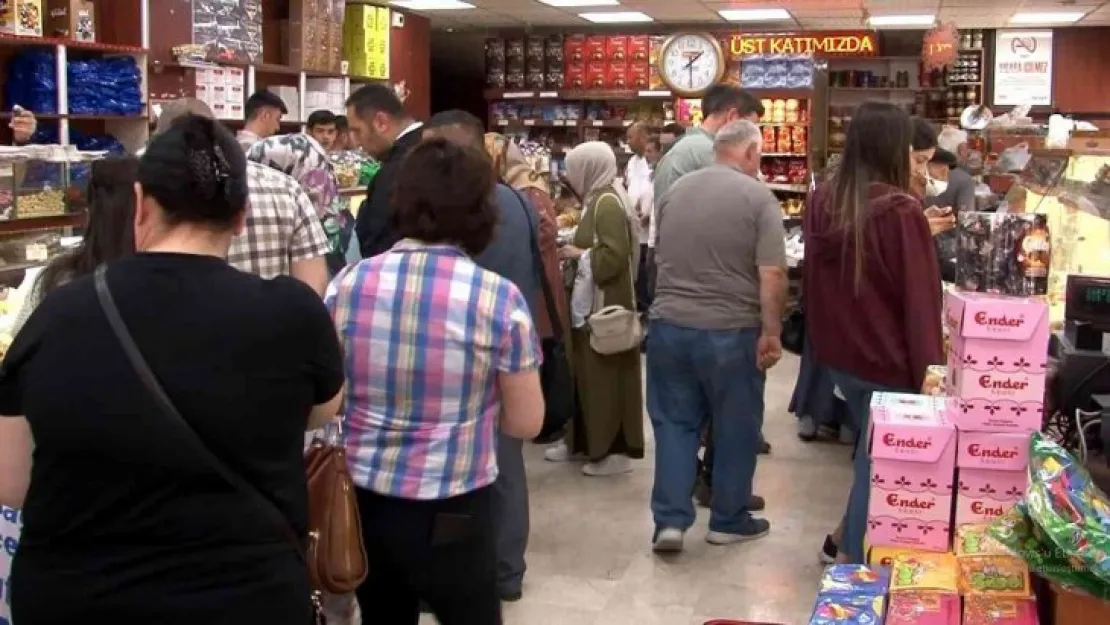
point(609, 429)
point(511, 168)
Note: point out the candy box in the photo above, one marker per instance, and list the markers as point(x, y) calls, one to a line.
point(852, 579)
point(883, 557)
point(596, 75)
point(616, 49)
point(616, 75)
point(997, 358)
point(639, 75)
point(858, 609)
point(923, 608)
point(974, 540)
point(984, 496)
point(639, 48)
point(574, 50)
point(987, 610)
point(924, 571)
point(913, 454)
point(595, 48)
point(993, 451)
point(1001, 576)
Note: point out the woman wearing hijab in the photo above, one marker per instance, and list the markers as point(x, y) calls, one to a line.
point(609, 428)
point(511, 168)
point(301, 157)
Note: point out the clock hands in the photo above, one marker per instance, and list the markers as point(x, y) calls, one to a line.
point(690, 67)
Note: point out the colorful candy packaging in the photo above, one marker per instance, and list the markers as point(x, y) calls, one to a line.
point(854, 579)
point(923, 608)
point(848, 609)
point(983, 610)
point(1017, 532)
point(999, 576)
point(924, 571)
point(1070, 509)
point(973, 540)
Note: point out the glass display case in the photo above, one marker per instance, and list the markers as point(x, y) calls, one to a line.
point(1071, 188)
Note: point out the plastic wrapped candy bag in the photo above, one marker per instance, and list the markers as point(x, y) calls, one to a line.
point(1017, 531)
point(1066, 504)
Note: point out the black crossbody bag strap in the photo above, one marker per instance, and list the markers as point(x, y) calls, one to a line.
point(150, 381)
point(548, 294)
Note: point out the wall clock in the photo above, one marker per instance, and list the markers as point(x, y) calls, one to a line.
point(691, 63)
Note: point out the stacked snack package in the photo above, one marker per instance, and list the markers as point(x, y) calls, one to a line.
point(851, 594)
point(997, 361)
point(923, 589)
point(913, 452)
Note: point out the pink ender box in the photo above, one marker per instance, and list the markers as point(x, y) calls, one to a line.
point(991, 474)
point(913, 456)
point(997, 358)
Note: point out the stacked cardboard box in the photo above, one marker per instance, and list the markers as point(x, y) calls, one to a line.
point(324, 94)
point(223, 90)
point(366, 40)
point(316, 34)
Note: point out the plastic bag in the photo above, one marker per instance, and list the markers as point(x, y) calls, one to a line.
point(1014, 158)
point(1066, 504)
point(1019, 533)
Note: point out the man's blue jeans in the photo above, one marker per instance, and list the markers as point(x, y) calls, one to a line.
point(697, 377)
point(857, 395)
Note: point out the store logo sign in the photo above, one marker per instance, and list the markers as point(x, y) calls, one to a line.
point(824, 44)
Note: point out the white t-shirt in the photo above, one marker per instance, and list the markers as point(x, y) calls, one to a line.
point(638, 183)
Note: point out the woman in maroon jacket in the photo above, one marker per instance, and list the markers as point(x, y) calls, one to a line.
point(873, 299)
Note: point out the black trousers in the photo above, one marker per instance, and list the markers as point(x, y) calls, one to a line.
point(440, 552)
point(644, 286)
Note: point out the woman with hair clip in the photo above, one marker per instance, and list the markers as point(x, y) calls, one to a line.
point(871, 282)
point(166, 397)
point(108, 234)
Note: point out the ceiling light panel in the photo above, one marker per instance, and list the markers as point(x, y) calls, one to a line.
point(616, 17)
point(432, 5)
point(903, 20)
point(1053, 17)
point(579, 3)
point(755, 15)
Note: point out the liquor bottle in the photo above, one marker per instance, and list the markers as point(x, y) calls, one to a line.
point(1034, 255)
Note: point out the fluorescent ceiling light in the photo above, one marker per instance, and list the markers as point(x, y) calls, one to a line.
point(903, 20)
point(754, 15)
point(616, 17)
point(432, 5)
point(1047, 18)
point(580, 3)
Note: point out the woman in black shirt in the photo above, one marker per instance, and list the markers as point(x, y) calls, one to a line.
point(124, 520)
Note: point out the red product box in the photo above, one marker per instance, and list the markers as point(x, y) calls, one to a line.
point(616, 49)
point(616, 77)
point(595, 48)
point(639, 48)
point(596, 75)
point(574, 50)
point(639, 75)
point(575, 77)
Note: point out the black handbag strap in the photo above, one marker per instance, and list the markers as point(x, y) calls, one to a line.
point(548, 294)
point(150, 381)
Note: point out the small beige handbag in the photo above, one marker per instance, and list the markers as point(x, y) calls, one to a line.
point(615, 329)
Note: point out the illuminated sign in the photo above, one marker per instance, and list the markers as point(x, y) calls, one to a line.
point(938, 50)
point(818, 44)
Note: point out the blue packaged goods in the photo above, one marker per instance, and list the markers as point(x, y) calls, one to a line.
point(840, 579)
point(857, 609)
point(32, 82)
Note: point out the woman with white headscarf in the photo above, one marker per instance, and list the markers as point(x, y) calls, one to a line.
point(609, 427)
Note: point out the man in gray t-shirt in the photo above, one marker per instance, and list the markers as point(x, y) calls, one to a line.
point(715, 326)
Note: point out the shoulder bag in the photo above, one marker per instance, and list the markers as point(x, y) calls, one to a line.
point(555, 374)
point(614, 329)
point(335, 556)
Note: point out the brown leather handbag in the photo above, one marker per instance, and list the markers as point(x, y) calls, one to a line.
point(336, 555)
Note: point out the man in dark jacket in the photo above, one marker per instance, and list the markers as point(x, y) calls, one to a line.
point(387, 133)
point(509, 255)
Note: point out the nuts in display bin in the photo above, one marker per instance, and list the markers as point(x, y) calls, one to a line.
point(40, 204)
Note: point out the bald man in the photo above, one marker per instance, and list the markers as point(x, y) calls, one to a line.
point(637, 179)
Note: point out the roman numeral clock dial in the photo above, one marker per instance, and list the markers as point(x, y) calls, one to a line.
point(691, 63)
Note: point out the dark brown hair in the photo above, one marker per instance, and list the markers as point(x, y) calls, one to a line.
point(110, 233)
point(877, 150)
point(444, 194)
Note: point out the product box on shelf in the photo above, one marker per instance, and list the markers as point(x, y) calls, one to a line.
point(991, 474)
point(985, 610)
point(595, 49)
point(913, 456)
point(923, 608)
point(997, 359)
point(21, 17)
point(71, 19)
point(596, 75)
point(616, 76)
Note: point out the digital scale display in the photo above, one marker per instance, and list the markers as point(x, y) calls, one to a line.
point(1088, 299)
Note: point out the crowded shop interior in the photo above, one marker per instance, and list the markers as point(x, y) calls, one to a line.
point(608, 312)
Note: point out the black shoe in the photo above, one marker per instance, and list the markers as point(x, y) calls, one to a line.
point(756, 528)
point(764, 448)
point(511, 596)
point(828, 550)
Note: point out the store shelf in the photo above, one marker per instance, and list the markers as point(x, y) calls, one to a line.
point(69, 220)
point(784, 155)
point(787, 188)
point(16, 40)
point(893, 89)
point(965, 84)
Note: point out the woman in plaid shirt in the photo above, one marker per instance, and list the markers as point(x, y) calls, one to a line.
point(440, 354)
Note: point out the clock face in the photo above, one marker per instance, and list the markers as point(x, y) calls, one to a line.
point(691, 63)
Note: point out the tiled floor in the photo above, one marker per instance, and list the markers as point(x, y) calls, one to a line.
point(590, 562)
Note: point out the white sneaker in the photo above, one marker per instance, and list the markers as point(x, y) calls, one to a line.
point(559, 452)
point(614, 464)
point(668, 540)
